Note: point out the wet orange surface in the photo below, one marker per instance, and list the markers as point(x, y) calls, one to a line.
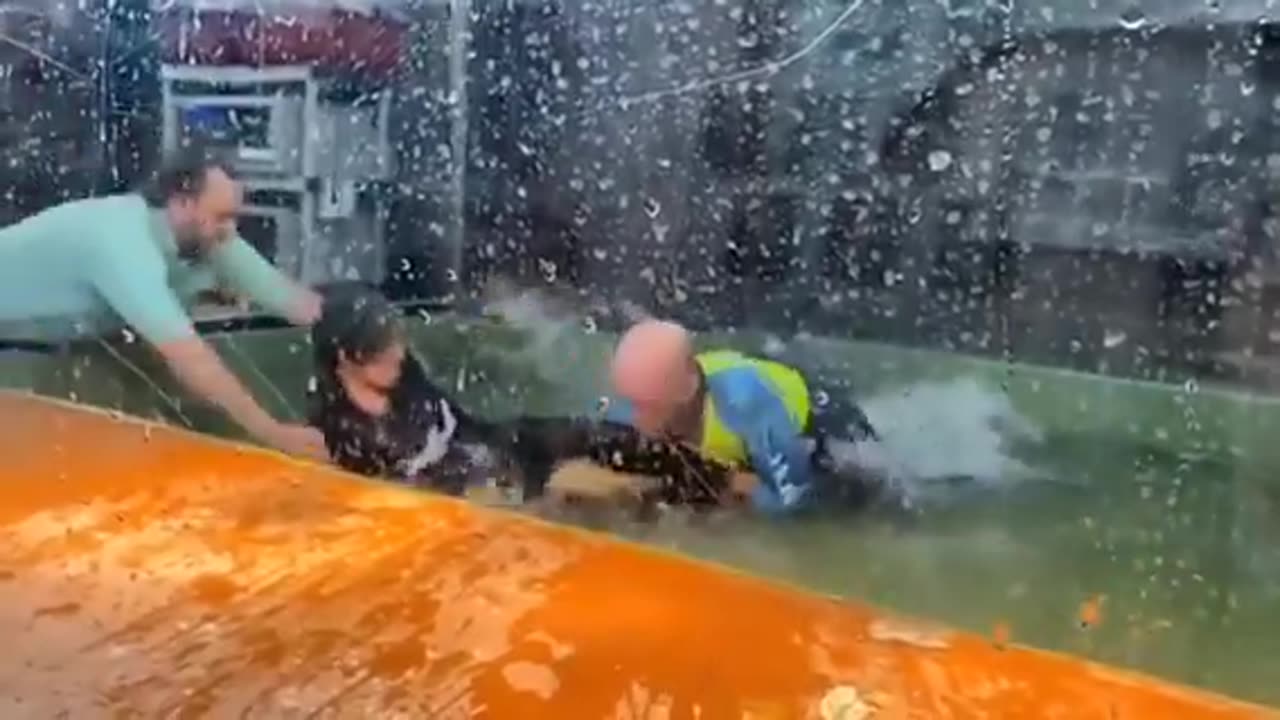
point(152, 573)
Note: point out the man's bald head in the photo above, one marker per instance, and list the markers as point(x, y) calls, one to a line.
point(654, 368)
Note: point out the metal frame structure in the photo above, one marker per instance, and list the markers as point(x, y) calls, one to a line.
point(301, 177)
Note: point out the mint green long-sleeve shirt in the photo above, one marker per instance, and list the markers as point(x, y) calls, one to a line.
point(90, 266)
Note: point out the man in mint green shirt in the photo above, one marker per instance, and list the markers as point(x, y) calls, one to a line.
point(92, 266)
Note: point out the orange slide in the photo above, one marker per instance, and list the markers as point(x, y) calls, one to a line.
point(150, 572)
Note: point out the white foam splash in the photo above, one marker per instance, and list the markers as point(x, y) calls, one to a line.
point(940, 431)
point(549, 328)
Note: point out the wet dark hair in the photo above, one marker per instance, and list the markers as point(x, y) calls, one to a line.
point(184, 173)
point(357, 321)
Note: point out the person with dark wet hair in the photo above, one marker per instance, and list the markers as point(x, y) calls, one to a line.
point(382, 416)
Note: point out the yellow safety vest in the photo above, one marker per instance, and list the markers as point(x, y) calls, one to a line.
point(721, 443)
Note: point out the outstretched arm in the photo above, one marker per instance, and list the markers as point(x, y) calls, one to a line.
point(248, 273)
point(138, 291)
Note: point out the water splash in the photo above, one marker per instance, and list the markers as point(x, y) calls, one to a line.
point(549, 328)
point(931, 433)
point(934, 432)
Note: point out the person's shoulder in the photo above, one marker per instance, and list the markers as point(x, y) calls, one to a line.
point(124, 213)
point(127, 202)
point(122, 226)
point(76, 221)
point(93, 233)
point(101, 211)
point(88, 220)
point(742, 386)
point(414, 386)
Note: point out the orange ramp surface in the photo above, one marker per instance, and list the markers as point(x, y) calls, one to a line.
point(150, 572)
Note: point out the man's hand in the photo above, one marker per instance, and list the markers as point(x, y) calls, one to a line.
point(307, 307)
point(742, 484)
point(299, 440)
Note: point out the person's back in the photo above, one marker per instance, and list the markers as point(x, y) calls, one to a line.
point(48, 264)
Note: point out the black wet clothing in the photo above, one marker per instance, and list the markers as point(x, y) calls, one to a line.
point(523, 451)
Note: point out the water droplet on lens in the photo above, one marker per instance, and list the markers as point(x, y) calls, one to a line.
point(939, 160)
point(1114, 338)
point(1132, 19)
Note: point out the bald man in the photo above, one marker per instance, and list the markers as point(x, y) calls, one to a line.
point(747, 412)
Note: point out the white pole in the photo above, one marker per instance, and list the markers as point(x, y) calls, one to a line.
point(459, 43)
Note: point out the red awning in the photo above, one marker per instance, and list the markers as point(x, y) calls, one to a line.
point(343, 36)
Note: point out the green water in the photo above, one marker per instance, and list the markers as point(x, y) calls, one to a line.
point(1163, 501)
point(1168, 543)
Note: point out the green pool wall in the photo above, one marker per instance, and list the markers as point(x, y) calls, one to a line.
point(499, 368)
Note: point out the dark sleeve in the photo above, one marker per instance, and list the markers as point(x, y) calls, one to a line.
point(421, 394)
point(353, 447)
point(536, 445)
point(687, 476)
point(424, 417)
point(540, 444)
